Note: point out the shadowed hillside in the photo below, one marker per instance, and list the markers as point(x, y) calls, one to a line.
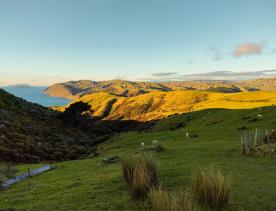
point(32, 133)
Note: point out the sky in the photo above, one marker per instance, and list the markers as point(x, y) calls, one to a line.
point(48, 41)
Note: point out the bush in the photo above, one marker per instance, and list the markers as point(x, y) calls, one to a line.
point(162, 200)
point(8, 171)
point(77, 108)
point(210, 187)
point(141, 174)
point(2, 179)
point(158, 147)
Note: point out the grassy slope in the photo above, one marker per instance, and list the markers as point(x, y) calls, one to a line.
point(87, 185)
point(158, 105)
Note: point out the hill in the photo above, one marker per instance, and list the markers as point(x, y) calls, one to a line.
point(76, 89)
point(159, 105)
point(32, 133)
point(91, 185)
point(264, 84)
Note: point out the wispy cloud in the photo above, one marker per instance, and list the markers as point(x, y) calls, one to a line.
point(164, 74)
point(248, 49)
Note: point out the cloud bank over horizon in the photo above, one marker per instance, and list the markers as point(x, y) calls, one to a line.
point(216, 75)
point(7, 79)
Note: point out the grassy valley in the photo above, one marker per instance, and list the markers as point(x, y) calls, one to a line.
point(92, 185)
point(137, 105)
point(195, 129)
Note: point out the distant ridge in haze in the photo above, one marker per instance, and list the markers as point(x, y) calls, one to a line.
point(76, 89)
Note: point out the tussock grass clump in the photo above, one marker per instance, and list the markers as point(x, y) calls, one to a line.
point(162, 200)
point(141, 174)
point(210, 187)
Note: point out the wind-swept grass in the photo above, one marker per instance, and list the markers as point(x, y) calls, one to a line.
point(210, 187)
point(141, 174)
point(162, 200)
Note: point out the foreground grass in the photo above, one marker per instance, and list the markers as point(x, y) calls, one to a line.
point(90, 185)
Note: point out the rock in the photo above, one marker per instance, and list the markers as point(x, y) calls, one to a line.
point(113, 159)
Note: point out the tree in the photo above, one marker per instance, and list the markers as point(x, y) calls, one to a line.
point(77, 108)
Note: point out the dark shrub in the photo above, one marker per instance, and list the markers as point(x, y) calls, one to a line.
point(7, 171)
point(77, 108)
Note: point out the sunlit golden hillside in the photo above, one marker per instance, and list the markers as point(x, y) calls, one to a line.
point(158, 105)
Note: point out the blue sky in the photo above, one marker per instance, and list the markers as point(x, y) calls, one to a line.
point(46, 41)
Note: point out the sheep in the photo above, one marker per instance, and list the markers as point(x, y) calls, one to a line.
point(260, 116)
point(154, 141)
point(187, 135)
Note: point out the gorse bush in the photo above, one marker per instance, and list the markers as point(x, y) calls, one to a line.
point(141, 174)
point(162, 200)
point(210, 187)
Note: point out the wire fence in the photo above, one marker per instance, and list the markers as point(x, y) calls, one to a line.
point(26, 175)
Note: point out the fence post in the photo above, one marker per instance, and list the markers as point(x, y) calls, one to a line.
point(242, 142)
point(267, 137)
point(29, 172)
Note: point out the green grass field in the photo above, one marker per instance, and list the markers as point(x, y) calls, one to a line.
point(90, 185)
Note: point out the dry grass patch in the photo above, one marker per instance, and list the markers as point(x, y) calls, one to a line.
point(210, 187)
point(141, 174)
point(162, 200)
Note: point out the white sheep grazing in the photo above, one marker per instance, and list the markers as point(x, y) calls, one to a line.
point(260, 116)
point(187, 135)
point(154, 141)
point(142, 143)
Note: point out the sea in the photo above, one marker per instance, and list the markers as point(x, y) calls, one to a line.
point(35, 94)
